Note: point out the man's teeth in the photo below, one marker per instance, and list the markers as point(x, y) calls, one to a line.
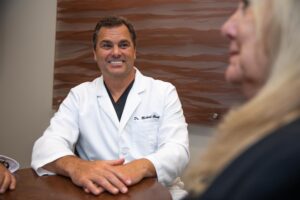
point(116, 62)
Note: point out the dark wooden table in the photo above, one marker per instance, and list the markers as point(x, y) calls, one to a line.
point(32, 187)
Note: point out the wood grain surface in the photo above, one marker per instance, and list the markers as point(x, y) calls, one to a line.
point(33, 187)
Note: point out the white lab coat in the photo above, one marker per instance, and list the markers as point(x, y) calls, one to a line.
point(152, 126)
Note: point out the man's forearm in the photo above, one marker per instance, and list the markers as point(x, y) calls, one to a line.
point(146, 167)
point(139, 169)
point(62, 166)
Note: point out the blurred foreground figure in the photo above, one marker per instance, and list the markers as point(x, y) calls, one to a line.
point(255, 154)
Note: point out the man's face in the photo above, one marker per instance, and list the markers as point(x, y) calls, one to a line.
point(115, 52)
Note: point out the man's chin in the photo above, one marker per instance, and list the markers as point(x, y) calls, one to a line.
point(116, 66)
point(117, 72)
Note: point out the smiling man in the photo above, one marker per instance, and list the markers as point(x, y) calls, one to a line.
point(123, 125)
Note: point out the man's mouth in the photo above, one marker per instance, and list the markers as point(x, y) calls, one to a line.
point(116, 62)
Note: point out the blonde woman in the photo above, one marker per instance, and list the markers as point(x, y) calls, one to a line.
point(256, 153)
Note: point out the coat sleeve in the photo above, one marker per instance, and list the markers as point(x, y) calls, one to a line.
point(172, 155)
point(59, 138)
point(12, 164)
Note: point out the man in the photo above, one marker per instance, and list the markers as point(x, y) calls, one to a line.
point(7, 179)
point(123, 125)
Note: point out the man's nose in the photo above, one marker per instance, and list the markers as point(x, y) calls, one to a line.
point(116, 51)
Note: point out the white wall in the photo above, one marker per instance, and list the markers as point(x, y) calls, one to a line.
point(200, 136)
point(26, 78)
point(26, 74)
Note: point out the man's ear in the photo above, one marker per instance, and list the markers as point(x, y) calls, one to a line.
point(134, 54)
point(95, 57)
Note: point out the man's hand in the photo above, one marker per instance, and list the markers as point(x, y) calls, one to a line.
point(97, 176)
point(134, 171)
point(92, 176)
point(7, 180)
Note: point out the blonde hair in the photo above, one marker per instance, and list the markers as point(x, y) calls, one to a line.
point(276, 104)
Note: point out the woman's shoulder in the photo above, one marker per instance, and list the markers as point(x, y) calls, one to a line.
point(269, 169)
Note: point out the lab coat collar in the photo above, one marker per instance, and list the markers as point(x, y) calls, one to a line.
point(132, 102)
point(138, 86)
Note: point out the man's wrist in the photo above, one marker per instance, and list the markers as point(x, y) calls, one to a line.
point(147, 167)
point(65, 165)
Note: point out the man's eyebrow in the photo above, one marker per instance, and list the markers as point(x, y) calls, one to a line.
point(105, 41)
point(124, 40)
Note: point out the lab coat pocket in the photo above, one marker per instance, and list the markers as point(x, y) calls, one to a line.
point(145, 137)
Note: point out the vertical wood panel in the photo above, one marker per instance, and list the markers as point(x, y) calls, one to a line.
point(178, 41)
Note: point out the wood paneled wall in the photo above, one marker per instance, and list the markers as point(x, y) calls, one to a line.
point(178, 41)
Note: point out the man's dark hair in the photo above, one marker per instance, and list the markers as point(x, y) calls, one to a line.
point(113, 21)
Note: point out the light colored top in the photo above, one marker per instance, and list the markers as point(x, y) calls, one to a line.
point(152, 126)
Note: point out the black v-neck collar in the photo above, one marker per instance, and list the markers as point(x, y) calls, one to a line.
point(120, 103)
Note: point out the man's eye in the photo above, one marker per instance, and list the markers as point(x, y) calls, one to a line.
point(106, 46)
point(124, 45)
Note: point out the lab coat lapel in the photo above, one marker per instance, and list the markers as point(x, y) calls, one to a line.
point(133, 99)
point(105, 102)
